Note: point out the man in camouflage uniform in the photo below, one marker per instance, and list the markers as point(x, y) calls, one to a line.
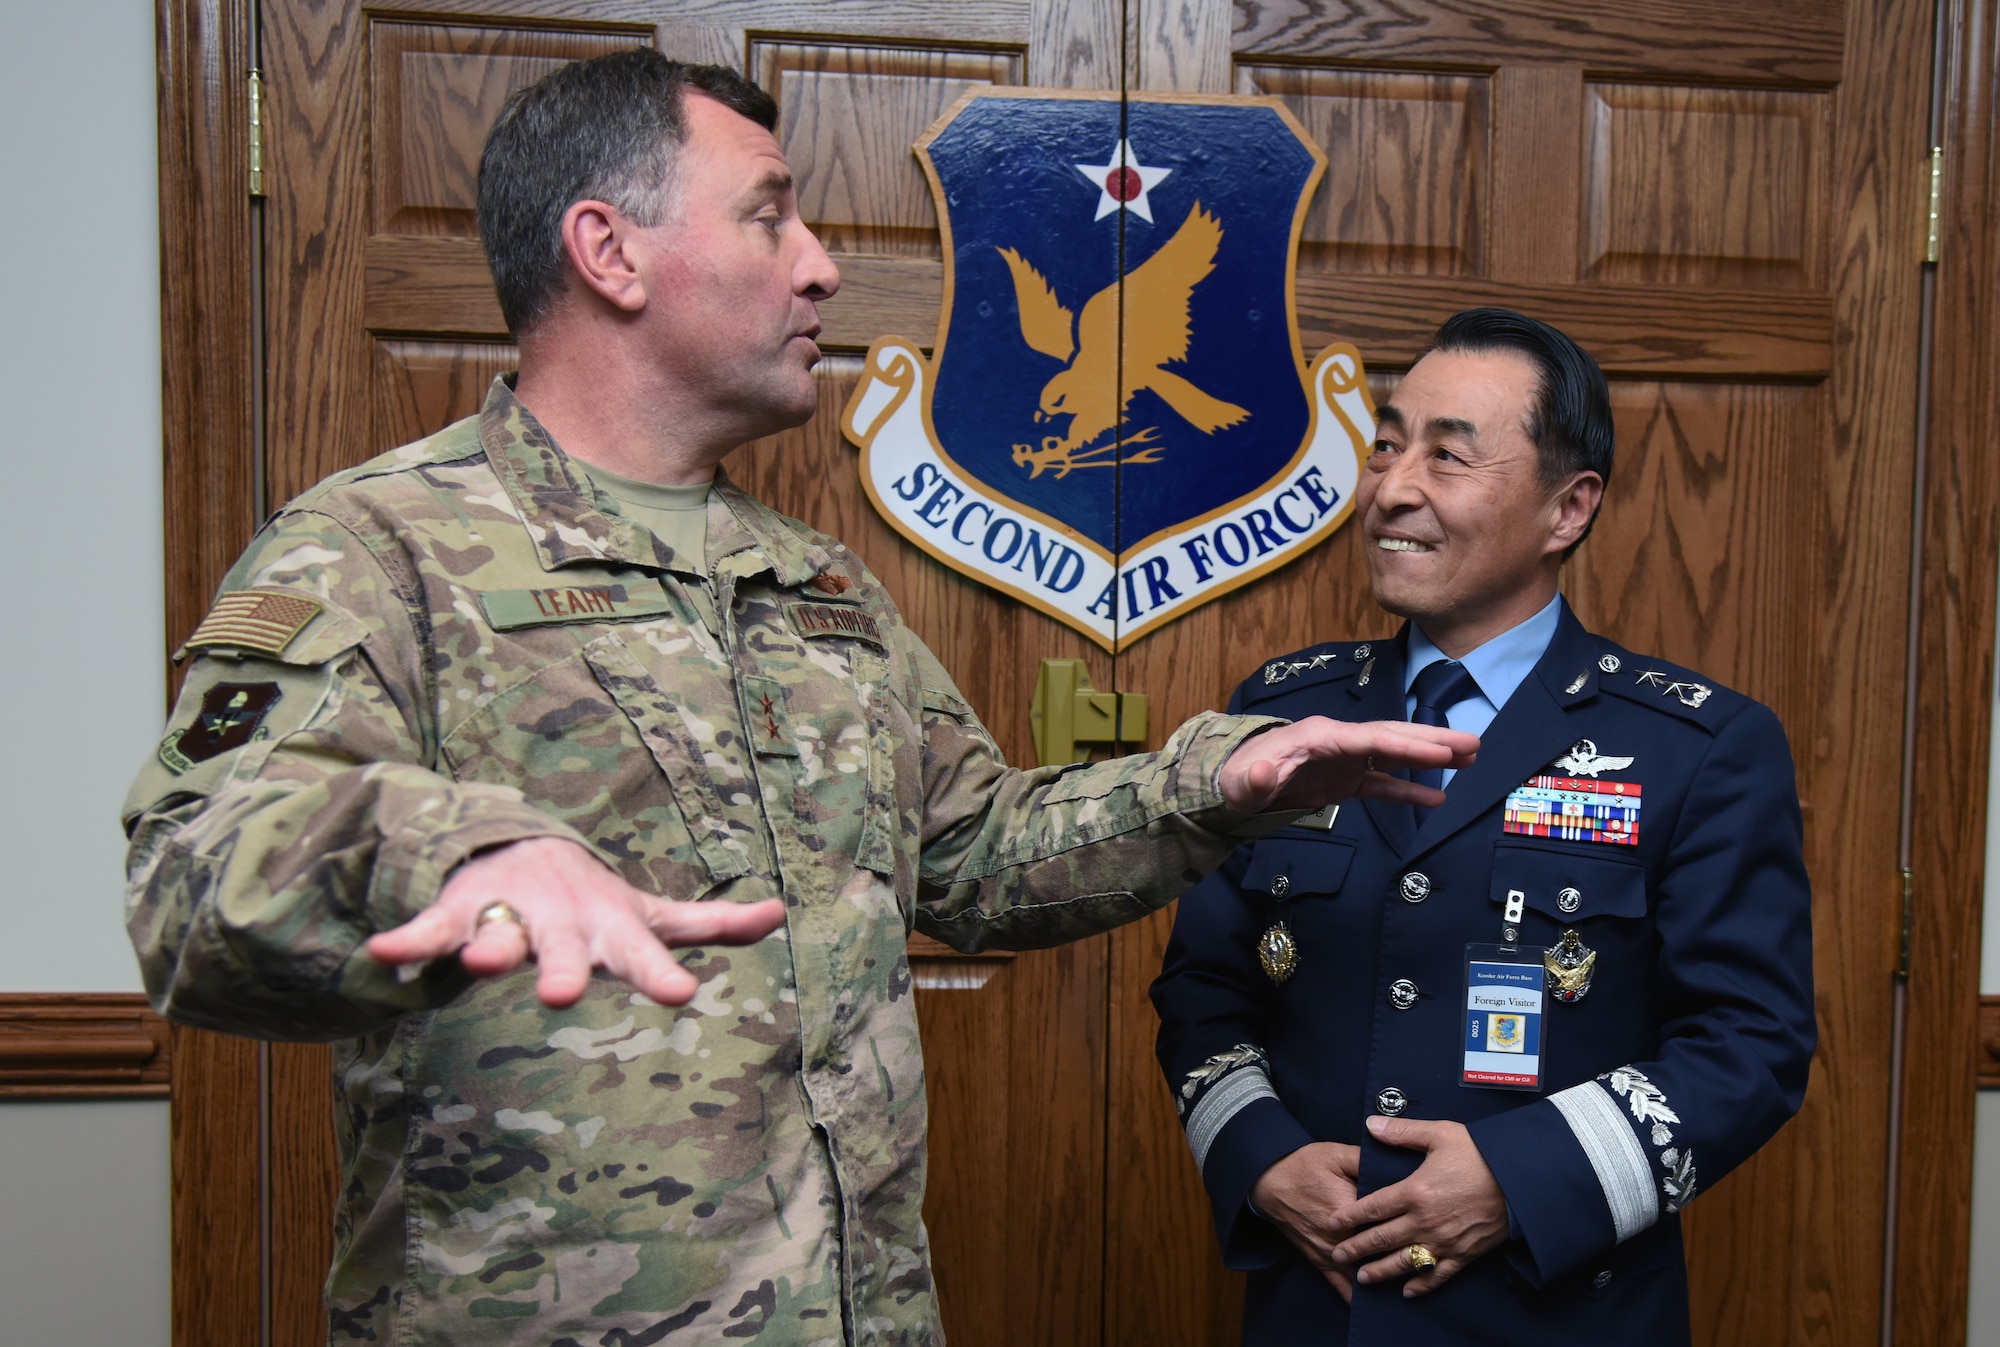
point(460, 708)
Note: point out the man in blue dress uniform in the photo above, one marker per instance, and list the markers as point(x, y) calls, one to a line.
point(1450, 1074)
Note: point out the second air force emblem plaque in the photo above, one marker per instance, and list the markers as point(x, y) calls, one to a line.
point(1115, 454)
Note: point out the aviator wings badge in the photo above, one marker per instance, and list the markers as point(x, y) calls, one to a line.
point(1583, 759)
point(1115, 424)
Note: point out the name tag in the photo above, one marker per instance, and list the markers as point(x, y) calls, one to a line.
point(1504, 989)
point(508, 609)
point(1574, 809)
point(833, 619)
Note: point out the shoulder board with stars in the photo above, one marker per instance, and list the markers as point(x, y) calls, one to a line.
point(1302, 668)
point(1666, 687)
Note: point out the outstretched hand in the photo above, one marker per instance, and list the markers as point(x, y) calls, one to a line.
point(1316, 762)
point(575, 915)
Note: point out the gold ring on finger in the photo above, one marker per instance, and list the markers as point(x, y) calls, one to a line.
point(1421, 1258)
point(495, 912)
point(1370, 764)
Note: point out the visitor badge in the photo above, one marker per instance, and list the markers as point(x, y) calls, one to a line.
point(1504, 986)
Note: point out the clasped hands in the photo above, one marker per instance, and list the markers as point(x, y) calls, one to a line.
point(570, 913)
point(1451, 1205)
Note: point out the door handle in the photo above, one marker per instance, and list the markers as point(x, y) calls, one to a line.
point(1068, 712)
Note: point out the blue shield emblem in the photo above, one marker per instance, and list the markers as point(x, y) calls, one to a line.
point(1115, 423)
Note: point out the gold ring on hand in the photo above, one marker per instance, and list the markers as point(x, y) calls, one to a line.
point(1421, 1258)
point(1369, 766)
point(495, 912)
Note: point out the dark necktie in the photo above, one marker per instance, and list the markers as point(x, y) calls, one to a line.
point(1439, 687)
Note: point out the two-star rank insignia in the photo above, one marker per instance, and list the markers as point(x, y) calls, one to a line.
point(1689, 692)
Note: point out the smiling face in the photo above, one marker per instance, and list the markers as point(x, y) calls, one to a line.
point(1462, 536)
point(733, 277)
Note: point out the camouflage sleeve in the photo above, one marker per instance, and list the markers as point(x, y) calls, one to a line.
point(1025, 859)
point(292, 810)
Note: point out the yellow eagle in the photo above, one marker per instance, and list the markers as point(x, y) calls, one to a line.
point(1157, 294)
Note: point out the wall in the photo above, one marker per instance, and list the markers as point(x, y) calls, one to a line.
point(83, 1187)
point(1983, 1322)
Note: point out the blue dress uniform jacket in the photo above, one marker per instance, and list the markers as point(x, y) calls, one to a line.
point(1689, 1050)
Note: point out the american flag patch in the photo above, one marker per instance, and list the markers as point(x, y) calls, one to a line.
point(1575, 810)
point(254, 620)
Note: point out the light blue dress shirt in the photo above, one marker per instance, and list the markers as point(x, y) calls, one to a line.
point(1497, 667)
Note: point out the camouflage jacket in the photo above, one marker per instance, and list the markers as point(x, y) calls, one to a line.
point(460, 644)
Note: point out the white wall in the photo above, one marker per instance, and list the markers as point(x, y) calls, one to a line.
point(83, 1224)
point(81, 690)
point(1983, 1324)
point(83, 1187)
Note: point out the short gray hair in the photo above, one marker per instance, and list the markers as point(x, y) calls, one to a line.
point(607, 129)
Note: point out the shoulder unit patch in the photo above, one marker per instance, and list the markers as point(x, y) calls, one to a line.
point(230, 716)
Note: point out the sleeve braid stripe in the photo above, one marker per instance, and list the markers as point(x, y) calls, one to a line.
point(1229, 1097)
point(1615, 1155)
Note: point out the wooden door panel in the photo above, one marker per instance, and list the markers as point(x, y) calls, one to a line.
point(848, 117)
point(1767, 43)
point(1701, 186)
point(419, 386)
point(1538, 128)
point(434, 89)
point(1406, 167)
point(1684, 560)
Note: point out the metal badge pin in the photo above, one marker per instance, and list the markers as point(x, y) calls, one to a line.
point(1280, 885)
point(1416, 887)
point(1367, 672)
point(1361, 652)
point(1570, 966)
point(1390, 1101)
point(1608, 663)
point(1583, 759)
point(1402, 993)
point(1278, 953)
point(1577, 686)
point(1568, 901)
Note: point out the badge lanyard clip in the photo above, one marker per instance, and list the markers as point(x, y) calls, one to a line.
point(1505, 989)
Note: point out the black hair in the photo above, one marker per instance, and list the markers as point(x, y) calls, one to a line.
point(1570, 420)
point(605, 129)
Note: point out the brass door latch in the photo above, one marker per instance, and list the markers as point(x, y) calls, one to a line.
point(1067, 714)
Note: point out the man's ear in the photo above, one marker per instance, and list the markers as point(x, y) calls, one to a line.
point(598, 241)
point(1575, 506)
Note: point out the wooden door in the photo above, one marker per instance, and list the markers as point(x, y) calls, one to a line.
point(1718, 201)
point(1721, 203)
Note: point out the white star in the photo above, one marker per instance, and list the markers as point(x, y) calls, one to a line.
point(1124, 182)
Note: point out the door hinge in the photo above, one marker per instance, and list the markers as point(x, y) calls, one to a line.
point(1933, 242)
point(1903, 934)
point(256, 133)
